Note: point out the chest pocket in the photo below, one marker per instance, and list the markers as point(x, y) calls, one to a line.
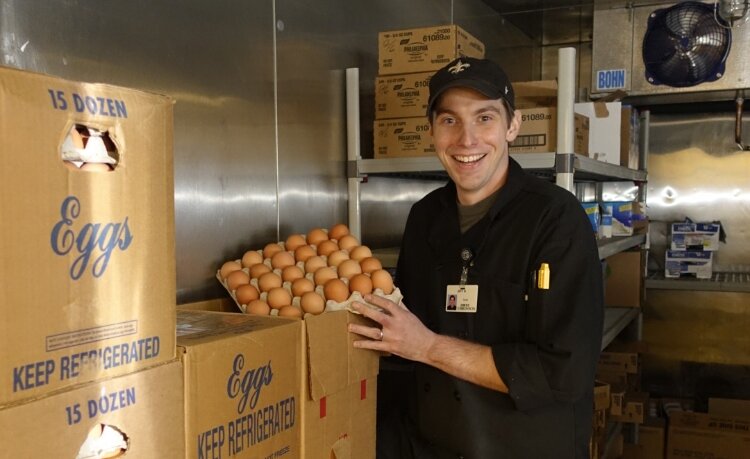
point(501, 311)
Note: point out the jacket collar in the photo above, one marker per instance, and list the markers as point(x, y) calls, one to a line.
point(448, 229)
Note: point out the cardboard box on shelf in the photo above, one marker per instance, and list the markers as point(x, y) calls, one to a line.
point(402, 96)
point(139, 413)
point(403, 137)
point(728, 407)
point(604, 129)
point(242, 384)
point(601, 395)
point(622, 357)
point(88, 256)
point(592, 211)
point(624, 281)
point(629, 137)
point(708, 435)
point(538, 132)
point(688, 263)
point(634, 407)
point(424, 49)
point(652, 437)
point(689, 235)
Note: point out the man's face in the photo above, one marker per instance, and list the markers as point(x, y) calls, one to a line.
point(471, 135)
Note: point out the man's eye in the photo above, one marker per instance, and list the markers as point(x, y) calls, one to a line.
point(485, 118)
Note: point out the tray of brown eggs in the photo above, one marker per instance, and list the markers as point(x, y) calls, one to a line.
point(324, 270)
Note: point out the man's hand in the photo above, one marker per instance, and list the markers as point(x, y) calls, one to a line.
point(401, 332)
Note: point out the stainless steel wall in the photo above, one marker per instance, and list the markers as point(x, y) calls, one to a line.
point(697, 340)
point(259, 115)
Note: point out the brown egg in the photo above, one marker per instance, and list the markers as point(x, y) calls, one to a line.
point(290, 311)
point(338, 231)
point(335, 258)
point(270, 249)
point(313, 263)
point(360, 283)
point(246, 293)
point(269, 281)
point(251, 257)
point(324, 274)
point(258, 307)
point(326, 247)
point(359, 253)
point(303, 252)
point(382, 279)
point(312, 302)
point(279, 297)
point(348, 242)
point(281, 260)
point(228, 267)
point(370, 264)
point(336, 290)
point(301, 286)
point(294, 241)
point(291, 273)
point(237, 278)
point(316, 235)
point(349, 268)
point(258, 270)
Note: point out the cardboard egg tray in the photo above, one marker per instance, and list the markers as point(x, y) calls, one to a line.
point(331, 305)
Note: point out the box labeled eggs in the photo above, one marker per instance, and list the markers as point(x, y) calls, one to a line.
point(87, 233)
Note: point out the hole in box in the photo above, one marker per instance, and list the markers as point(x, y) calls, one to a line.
point(104, 442)
point(89, 149)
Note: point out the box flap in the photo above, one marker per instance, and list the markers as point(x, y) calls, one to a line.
point(333, 362)
point(541, 93)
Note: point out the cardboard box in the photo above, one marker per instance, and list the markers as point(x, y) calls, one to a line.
point(242, 384)
point(145, 406)
point(708, 435)
point(695, 236)
point(592, 211)
point(622, 216)
point(633, 410)
point(688, 263)
point(538, 132)
point(88, 256)
point(630, 127)
point(402, 96)
point(424, 49)
point(617, 395)
point(601, 395)
point(342, 424)
point(224, 304)
point(728, 407)
point(621, 357)
point(652, 437)
point(403, 137)
point(604, 129)
point(624, 282)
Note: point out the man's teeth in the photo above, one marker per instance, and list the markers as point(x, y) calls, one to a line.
point(468, 159)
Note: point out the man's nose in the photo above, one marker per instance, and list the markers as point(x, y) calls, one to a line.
point(468, 135)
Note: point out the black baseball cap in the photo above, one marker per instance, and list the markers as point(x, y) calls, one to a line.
point(481, 75)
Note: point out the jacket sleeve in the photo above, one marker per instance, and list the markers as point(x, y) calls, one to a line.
point(557, 359)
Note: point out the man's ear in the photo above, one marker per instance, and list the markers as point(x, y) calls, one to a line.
point(515, 126)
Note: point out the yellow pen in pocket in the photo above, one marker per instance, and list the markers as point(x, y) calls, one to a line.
point(542, 278)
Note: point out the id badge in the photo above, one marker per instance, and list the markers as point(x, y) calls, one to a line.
point(461, 298)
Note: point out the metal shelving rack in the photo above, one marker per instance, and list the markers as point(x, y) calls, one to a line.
point(719, 282)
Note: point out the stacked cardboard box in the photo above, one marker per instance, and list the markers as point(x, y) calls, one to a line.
point(537, 101)
point(323, 389)
point(407, 60)
point(692, 248)
point(722, 432)
point(624, 279)
point(88, 296)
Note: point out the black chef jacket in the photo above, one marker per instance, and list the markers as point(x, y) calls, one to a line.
point(545, 343)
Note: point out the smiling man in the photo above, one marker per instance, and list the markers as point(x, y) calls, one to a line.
point(509, 372)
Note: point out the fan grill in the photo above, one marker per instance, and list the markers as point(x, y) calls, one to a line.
point(685, 46)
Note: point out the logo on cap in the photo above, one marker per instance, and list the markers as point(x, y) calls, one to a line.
point(458, 68)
